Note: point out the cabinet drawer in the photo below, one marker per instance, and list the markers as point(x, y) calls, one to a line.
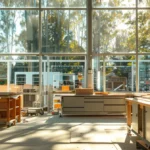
point(115, 108)
point(93, 106)
point(114, 101)
point(73, 109)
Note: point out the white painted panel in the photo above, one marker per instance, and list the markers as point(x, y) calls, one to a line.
point(134, 124)
point(147, 126)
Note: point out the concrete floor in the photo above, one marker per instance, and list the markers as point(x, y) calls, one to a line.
point(49, 132)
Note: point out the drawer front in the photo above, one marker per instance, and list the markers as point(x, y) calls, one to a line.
point(114, 101)
point(93, 105)
point(73, 109)
point(120, 108)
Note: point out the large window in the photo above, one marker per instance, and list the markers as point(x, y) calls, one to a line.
point(69, 67)
point(143, 30)
point(120, 73)
point(19, 31)
point(144, 73)
point(64, 31)
point(38, 37)
point(114, 31)
point(118, 27)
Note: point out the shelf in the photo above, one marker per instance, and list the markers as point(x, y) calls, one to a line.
point(3, 119)
point(3, 109)
point(10, 109)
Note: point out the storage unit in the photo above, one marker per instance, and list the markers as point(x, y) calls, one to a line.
point(56, 102)
point(10, 108)
point(93, 105)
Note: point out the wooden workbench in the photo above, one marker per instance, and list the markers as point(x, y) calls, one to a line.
point(138, 112)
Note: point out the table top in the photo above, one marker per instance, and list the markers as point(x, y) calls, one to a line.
point(139, 100)
point(9, 95)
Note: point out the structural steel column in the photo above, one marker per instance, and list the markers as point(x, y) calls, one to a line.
point(89, 45)
point(137, 59)
point(40, 56)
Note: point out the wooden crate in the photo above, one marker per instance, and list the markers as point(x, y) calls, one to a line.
point(84, 91)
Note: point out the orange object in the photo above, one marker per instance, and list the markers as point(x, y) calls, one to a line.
point(101, 93)
point(80, 77)
point(65, 88)
point(57, 106)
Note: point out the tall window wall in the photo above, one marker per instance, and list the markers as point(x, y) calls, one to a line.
point(40, 36)
point(41, 42)
point(121, 35)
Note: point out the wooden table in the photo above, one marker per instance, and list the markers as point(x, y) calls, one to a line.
point(138, 112)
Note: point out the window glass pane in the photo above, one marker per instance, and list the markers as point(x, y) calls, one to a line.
point(143, 30)
point(144, 73)
point(98, 73)
point(64, 31)
point(35, 79)
point(19, 3)
point(20, 79)
point(64, 71)
point(114, 3)
point(16, 73)
point(19, 31)
point(22, 70)
point(143, 3)
point(114, 31)
point(3, 76)
point(64, 3)
point(120, 73)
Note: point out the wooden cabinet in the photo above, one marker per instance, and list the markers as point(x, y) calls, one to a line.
point(138, 112)
point(114, 104)
point(93, 105)
point(10, 108)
